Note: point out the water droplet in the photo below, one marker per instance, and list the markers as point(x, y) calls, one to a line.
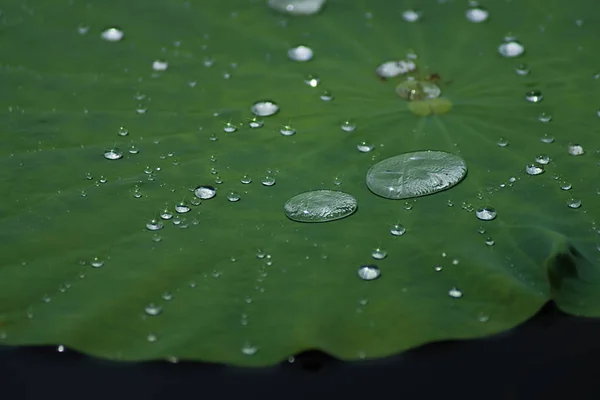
point(320, 206)
point(511, 49)
point(312, 80)
point(502, 142)
point(60, 348)
point(534, 96)
point(268, 180)
point(438, 268)
point(411, 15)
point(264, 108)
point(477, 14)
point(182, 208)
point(379, 254)
point(522, 69)
point(229, 127)
point(348, 126)
point(123, 131)
point(133, 149)
point(412, 90)
point(287, 130)
point(391, 69)
point(455, 293)
point(364, 147)
point(489, 241)
point(369, 272)
point(233, 196)
point(112, 34)
point(397, 230)
point(542, 159)
point(415, 174)
point(545, 117)
point(113, 154)
point(153, 309)
point(160, 65)
point(156, 238)
point(547, 138)
point(534, 169)
point(300, 53)
point(249, 350)
point(97, 262)
point(154, 225)
point(246, 179)
point(574, 203)
point(205, 192)
point(326, 96)
point(575, 149)
point(565, 186)
point(151, 338)
point(255, 123)
point(486, 214)
point(297, 7)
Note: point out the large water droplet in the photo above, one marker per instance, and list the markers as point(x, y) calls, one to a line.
point(320, 206)
point(205, 192)
point(511, 49)
point(297, 7)
point(369, 272)
point(415, 174)
point(534, 169)
point(486, 214)
point(265, 108)
point(112, 34)
point(113, 154)
point(300, 53)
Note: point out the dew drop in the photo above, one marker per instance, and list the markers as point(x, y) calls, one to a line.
point(522, 69)
point(545, 117)
point(477, 14)
point(229, 128)
point(534, 169)
point(574, 203)
point(547, 138)
point(297, 7)
point(112, 34)
point(397, 230)
point(534, 96)
point(543, 159)
point(264, 108)
point(300, 53)
point(391, 69)
point(489, 241)
point(455, 293)
point(249, 350)
point(154, 225)
point(369, 272)
point(415, 174)
point(565, 186)
point(133, 149)
point(511, 49)
point(205, 192)
point(166, 214)
point(123, 131)
point(348, 126)
point(233, 196)
point(320, 206)
point(113, 154)
point(486, 214)
point(268, 180)
point(160, 65)
point(312, 80)
point(575, 149)
point(255, 123)
point(151, 338)
point(153, 309)
point(364, 147)
point(246, 179)
point(97, 262)
point(438, 268)
point(379, 254)
point(287, 130)
point(502, 142)
point(411, 15)
point(182, 208)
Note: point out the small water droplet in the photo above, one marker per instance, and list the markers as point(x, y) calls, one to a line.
point(249, 350)
point(300, 53)
point(297, 7)
point(391, 69)
point(522, 69)
point(534, 169)
point(397, 230)
point(369, 272)
point(112, 34)
point(489, 241)
point(438, 268)
point(574, 203)
point(154, 225)
point(511, 49)
point(364, 147)
point(502, 142)
point(233, 196)
point(113, 154)
point(287, 130)
point(153, 310)
point(133, 149)
point(205, 192)
point(160, 65)
point(97, 262)
point(151, 338)
point(264, 108)
point(534, 96)
point(486, 214)
point(123, 131)
point(411, 15)
point(312, 80)
point(379, 254)
point(255, 123)
point(326, 96)
point(545, 117)
point(455, 293)
point(268, 180)
point(575, 149)
point(229, 127)
point(547, 138)
point(348, 126)
point(477, 14)
point(182, 208)
point(246, 179)
point(543, 159)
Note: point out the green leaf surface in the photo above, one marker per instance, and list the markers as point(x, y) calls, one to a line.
point(66, 92)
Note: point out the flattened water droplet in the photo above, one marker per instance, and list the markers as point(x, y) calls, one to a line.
point(455, 293)
point(575, 149)
point(265, 108)
point(397, 230)
point(369, 272)
point(320, 206)
point(511, 49)
point(415, 174)
point(113, 154)
point(112, 34)
point(486, 214)
point(391, 69)
point(477, 14)
point(205, 192)
point(534, 169)
point(300, 53)
point(534, 96)
point(153, 310)
point(297, 7)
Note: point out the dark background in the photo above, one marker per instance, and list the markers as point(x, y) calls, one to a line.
point(553, 355)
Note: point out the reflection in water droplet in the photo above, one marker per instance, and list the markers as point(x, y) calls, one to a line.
point(534, 169)
point(205, 192)
point(264, 108)
point(486, 214)
point(154, 225)
point(397, 230)
point(112, 34)
point(153, 310)
point(575, 149)
point(364, 147)
point(415, 174)
point(297, 7)
point(233, 196)
point(511, 49)
point(369, 272)
point(113, 154)
point(574, 203)
point(477, 14)
point(379, 254)
point(320, 206)
point(455, 293)
point(300, 53)
point(534, 96)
